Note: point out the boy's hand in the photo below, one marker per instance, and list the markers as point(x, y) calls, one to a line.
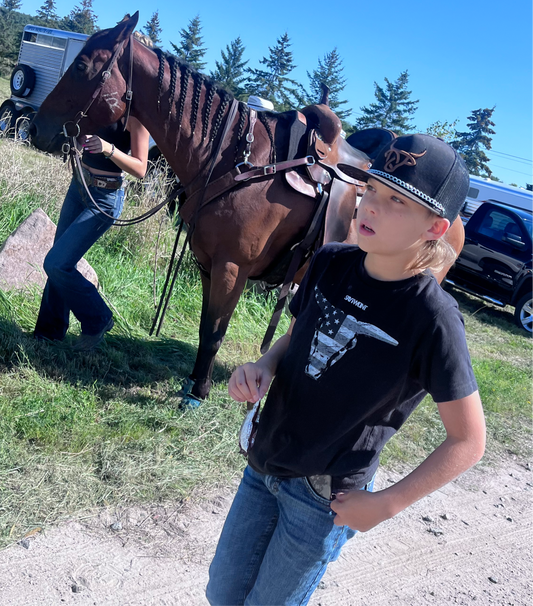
point(360, 510)
point(249, 382)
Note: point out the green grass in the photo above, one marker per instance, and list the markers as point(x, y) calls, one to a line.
point(5, 91)
point(84, 431)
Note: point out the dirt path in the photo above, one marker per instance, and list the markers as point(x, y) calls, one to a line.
point(470, 543)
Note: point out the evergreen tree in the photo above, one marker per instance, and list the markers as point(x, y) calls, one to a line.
point(190, 48)
point(329, 72)
point(469, 144)
point(229, 72)
point(153, 29)
point(393, 108)
point(81, 19)
point(47, 12)
point(273, 83)
point(11, 5)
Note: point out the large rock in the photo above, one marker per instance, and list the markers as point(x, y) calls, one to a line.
point(23, 253)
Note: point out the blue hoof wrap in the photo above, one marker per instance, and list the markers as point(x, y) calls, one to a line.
point(189, 402)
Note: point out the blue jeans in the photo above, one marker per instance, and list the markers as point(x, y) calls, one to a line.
point(66, 290)
point(276, 544)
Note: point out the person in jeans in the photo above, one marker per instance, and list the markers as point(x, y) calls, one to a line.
point(106, 156)
point(372, 334)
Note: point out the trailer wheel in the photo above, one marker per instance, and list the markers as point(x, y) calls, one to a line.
point(523, 314)
point(8, 117)
point(22, 130)
point(22, 80)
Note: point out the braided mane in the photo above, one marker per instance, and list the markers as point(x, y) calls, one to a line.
point(182, 70)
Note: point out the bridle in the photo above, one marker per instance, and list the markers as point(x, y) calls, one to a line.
point(106, 74)
point(72, 149)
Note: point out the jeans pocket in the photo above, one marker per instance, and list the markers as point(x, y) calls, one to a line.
point(108, 201)
point(315, 495)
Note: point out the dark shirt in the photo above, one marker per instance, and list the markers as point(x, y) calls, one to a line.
point(119, 137)
point(362, 356)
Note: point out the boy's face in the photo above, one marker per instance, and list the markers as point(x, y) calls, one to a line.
point(391, 224)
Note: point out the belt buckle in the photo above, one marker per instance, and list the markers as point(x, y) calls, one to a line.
point(99, 182)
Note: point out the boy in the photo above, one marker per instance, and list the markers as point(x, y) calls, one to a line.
point(372, 333)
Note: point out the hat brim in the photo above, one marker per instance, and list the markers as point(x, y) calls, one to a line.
point(364, 175)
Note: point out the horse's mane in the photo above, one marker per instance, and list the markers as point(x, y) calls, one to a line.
point(183, 70)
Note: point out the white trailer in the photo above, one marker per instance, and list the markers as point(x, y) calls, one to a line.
point(45, 55)
point(484, 190)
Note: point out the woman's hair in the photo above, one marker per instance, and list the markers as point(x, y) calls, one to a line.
point(146, 40)
point(435, 254)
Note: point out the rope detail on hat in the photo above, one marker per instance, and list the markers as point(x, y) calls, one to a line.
point(437, 206)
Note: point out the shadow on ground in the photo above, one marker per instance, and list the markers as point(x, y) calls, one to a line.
point(121, 363)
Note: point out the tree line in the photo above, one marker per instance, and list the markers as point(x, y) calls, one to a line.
point(393, 108)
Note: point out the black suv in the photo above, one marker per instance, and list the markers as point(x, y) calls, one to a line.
point(495, 263)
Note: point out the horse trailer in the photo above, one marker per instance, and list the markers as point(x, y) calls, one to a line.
point(484, 190)
point(45, 55)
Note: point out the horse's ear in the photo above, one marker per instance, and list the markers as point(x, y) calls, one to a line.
point(125, 28)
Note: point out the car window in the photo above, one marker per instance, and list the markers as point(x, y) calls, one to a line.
point(500, 226)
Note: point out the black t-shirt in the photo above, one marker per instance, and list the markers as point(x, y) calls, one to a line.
point(119, 137)
point(362, 356)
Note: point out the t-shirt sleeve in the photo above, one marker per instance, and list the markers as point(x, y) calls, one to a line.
point(445, 368)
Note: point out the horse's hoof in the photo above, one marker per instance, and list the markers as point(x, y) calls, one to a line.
point(190, 402)
point(186, 388)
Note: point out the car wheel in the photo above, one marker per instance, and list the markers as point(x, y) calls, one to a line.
point(22, 80)
point(8, 117)
point(523, 314)
point(23, 125)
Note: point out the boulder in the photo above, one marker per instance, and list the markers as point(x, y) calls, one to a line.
point(23, 253)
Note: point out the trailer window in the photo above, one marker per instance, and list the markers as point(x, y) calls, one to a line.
point(45, 40)
point(472, 193)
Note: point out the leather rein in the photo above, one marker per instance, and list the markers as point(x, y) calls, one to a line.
point(71, 131)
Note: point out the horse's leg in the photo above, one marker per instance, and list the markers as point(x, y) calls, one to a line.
point(225, 287)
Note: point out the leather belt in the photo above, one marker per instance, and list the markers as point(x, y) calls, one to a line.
point(102, 181)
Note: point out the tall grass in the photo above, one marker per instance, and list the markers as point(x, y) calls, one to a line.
point(96, 429)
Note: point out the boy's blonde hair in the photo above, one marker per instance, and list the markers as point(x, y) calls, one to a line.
point(435, 254)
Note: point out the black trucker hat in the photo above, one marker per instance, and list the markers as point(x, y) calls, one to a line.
point(424, 169)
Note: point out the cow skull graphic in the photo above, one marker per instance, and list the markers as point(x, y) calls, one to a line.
point(335, 334)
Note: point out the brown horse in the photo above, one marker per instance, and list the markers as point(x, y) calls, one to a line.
point(238, 232)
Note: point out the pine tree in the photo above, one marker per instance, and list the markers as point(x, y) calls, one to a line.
point(469, 144)
point(190, 48)
point(47, 12)
point(11, 5)
point(273, 83)
point(153, 29)
point(81, 19)
point(329, 72)
point(230, 71)
point(393, 108)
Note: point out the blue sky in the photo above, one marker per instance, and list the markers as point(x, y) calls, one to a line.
point(461, 55)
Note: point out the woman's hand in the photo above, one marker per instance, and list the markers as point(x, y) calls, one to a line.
point(95, 145)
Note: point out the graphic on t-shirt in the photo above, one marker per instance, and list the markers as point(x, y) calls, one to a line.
point(335, 334)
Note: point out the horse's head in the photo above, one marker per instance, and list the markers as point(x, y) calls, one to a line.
point(86, 78)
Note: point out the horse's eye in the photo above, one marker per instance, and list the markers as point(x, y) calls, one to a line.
point(81, 67)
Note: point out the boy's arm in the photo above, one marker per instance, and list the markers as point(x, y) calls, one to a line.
point(250, 382)
point(463, 447)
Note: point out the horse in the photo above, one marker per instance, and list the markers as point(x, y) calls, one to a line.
point(241, 226)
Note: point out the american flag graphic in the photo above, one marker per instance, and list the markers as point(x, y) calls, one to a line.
point(335, 334)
